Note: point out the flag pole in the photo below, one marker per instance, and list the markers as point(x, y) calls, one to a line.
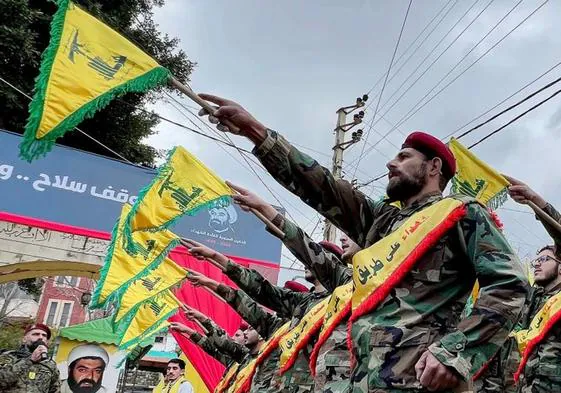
point(546, 217)
point(205, 105)
point(234, 130)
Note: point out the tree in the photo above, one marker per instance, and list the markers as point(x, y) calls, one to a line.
point(12, 333)
point(15, 294)
point(121, 126)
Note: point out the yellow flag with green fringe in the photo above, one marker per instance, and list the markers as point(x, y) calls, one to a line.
point(85, 66)
point(123, 267)
point(168, 274)
point(477, 179)
point(183, 186)
point(149, 317)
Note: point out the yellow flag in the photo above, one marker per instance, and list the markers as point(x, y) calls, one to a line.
point(183, 186)
point(85, 66)
point(123, 267)
point(477, 179)
point(163, 277)
point(150, 317)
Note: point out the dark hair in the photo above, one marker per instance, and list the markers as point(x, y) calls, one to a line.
point(551, 248)
point(179, 362)
point(442, 179)
point(442, 182)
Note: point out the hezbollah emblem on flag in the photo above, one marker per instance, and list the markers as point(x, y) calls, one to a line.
point(85, 66)
point(476, 178)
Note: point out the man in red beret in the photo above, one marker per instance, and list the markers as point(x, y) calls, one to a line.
point(410, 288)
point(29, 368)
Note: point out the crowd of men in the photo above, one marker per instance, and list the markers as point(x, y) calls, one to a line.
point(373, 321)
point(408, 329)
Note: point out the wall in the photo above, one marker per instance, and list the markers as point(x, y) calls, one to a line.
point(66, 292)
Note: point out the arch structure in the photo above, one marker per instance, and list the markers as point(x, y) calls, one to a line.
point(31, 248)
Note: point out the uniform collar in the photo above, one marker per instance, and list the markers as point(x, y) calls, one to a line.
point(426, 199)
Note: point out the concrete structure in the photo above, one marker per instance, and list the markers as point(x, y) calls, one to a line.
point(33, 251)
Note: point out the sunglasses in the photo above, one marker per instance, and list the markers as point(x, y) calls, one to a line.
point(543, 259)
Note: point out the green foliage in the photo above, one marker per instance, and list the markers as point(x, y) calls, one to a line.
point(24, 35)
point(31, 286)
point(11, 334)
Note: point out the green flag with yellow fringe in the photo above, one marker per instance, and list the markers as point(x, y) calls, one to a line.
point(85, 66)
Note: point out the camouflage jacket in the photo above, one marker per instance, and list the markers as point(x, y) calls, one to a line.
point(555, 235)
point(329, 270)
point(219, 345)
point(543, 369)
point(266, 378)
point(423, 310)
point(288, 304)
point(18, 374)
point(499, 376)
point(333, 366)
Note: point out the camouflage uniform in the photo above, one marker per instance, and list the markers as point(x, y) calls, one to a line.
point(266, 378)
point(543, 369)
point(288, 304)
point(18, 374)
point(423, 311)
point(219, 345)
point(333, 367)
point(499, 377)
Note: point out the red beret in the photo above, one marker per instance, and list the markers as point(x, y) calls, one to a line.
point(295, 286)
point(39, 326)
point(332, 247)
point(432, 147)
point(243, 325)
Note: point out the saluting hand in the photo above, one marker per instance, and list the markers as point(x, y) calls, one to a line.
point(248, 200)
point(181, 328)
point(201, 252)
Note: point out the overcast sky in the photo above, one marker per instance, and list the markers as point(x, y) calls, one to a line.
point(293, 63)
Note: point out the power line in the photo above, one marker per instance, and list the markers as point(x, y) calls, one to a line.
point(386, 78)
point(373, 122)
point(185, 127)
point(515, 119)
point(473, 48)
point(377, 178)
point(497, 105)
point(413, 43)
point(76, 128)
point(410, 113)
point(243, 157)
point(248, 167)
point(231, 144)
point(509, 108)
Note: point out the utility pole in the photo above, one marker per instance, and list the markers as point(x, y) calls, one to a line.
point(330, 231)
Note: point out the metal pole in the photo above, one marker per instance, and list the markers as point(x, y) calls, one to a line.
point(330, 232)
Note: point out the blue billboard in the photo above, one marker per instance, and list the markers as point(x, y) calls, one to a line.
point(76, 188)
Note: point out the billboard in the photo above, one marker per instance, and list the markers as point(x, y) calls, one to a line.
point(85, 190)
